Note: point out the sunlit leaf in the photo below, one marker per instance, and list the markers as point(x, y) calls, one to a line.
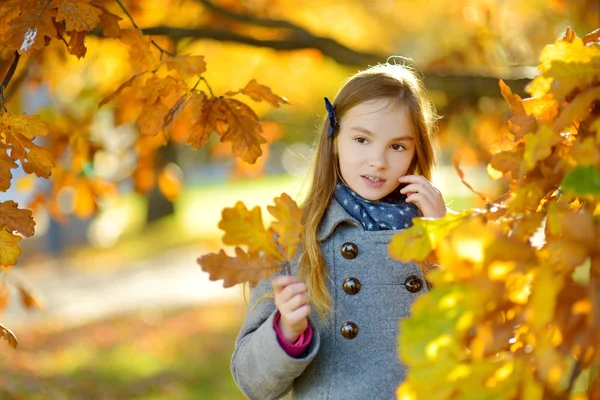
point(241, 268)
point(287, 224)
point(258, 92)
point(14, 219)
point(9, 248)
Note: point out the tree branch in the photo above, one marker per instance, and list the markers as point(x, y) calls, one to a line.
point(248, 19)
point(9, 74)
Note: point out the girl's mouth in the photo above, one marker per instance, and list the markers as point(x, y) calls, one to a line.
point(372, 181)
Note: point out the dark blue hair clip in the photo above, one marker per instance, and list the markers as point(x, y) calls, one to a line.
point(333, 124)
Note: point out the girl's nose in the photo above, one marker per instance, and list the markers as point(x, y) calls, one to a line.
point(377, 159)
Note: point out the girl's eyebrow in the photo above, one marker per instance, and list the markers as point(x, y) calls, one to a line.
point(369, 133)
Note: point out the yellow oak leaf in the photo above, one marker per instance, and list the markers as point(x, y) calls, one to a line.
point(592, 37)
point(79, 15)
point(538, 146)
point(521, 125)
point(109, 23)
point(9, 248)
point(241, 268)
point(28, 30)
point(416, 242)
point(508, 161)
point(245, 228)
point(10, 337)
point(514, 100)
point(187, 65)
point(14, 219)
point(258, 92)
point(6, 165)
point(76, 45)
point(287, 224)
point(34, 159)
point(140, 50)
point(29, 126)
point(151, 118)
point(30, 299)
point(118, 91)
point(242, 129)
point(577, 110)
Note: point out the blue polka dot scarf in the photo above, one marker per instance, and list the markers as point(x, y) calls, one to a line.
point(391, 212)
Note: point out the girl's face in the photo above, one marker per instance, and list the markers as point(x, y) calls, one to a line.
point(375, 146)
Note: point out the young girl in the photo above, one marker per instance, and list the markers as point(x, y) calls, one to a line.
point(330, 330)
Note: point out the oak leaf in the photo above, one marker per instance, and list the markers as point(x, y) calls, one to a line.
point(514, 100)
point(538, 146)
point(241, 268)
point(28, 30)
point(78, 15)
point(577, 110)
point(258, 92)
point(76, 45)
point(118, 91)
point(242, 129)
point(10, 337)
point(187, 65)
point(151, 118)
point(287, 224)
point(14, 219)
point(245, 227)
point(6, 165)
point(416, 242)
point(109, 23)
point(30, 299)
point(9, 248)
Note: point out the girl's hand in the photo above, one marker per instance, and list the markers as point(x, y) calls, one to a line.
point(291, 299)
point(426, 196)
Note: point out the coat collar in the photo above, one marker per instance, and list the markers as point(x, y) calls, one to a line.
point(334, 216)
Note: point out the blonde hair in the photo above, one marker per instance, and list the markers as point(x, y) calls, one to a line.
point(390, 81)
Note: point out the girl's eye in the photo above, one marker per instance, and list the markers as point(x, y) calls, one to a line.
point(361, 140)
point(397, 146)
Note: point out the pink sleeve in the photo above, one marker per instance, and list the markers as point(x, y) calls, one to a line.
point(293, 349)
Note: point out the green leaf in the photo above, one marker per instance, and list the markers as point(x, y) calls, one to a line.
point(583, 181)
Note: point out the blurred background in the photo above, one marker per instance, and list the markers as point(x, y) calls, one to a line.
point(127, 311)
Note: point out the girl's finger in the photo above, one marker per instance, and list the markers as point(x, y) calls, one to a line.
point(297, 301)
point(299, 314)
point(291, 290)
point(281, 281)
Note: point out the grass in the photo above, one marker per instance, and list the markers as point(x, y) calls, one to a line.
point(182, 354)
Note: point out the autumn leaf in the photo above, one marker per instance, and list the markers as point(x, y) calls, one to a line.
point(187, 65)
point(538, 146)
point(14, 219)
point(76, 45)
point(287, 224)
point(245, 227)
point(10, 337)
point(31, 26)
point(78, 15)
point(140, 51)
point(4, 297)
point(241, 268)
point(514, 101)
point(9, 248)
point(242, 130)
point(109, 23)
point(416, 242)
point(592, 37)
point(258, 92)
point(6, 165)
point(578, 110)
point(29, 126)
point(118, 91)
point(520, 125)
point(30, 299)
point(151, 118)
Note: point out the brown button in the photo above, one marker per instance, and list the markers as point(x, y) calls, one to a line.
point(351, 286)
point(349, 250)
point(349, 330)
point(413, 283)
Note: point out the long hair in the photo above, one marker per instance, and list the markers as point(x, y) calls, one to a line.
point(390, 81)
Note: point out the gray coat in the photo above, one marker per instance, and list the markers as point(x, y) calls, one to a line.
point(334, 366)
